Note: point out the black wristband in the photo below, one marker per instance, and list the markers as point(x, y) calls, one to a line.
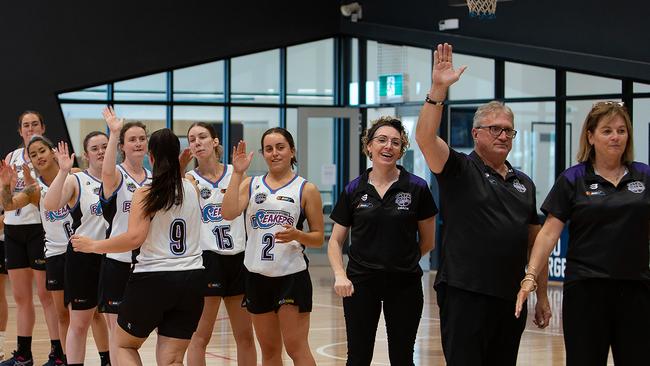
point(434, 102)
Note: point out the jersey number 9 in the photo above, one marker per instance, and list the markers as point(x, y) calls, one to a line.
point(177, 237)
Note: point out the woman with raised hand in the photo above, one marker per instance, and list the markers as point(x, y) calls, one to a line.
point(605, 198)
point(165, 290)
point(56, 223)
point(278, 291)
point(223, 243)
point(25, 253)
point(391, 214)
point(80, 193)
point(118, 184)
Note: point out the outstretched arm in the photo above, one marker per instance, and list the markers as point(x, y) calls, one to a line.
point(434, 149)
point(130, 240)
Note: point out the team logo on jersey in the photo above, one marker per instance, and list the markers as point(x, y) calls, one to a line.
point(205, 193)
point(260, 197)
point(403, 200)
point(211, 213)
point(364, 197)
point(518, 186)
point(57, 215)
point(131, 186)
point(266, 219)
point(96, 209)
point(636, 187)
point(286, 199)
point(593, 186)
point(126, 206)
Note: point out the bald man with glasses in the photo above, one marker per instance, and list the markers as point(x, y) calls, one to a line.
point(489, 223)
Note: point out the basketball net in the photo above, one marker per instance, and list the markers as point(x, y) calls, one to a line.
point(483, 9)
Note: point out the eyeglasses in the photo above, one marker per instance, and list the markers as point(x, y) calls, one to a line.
point(495, 131)
point(383, 139)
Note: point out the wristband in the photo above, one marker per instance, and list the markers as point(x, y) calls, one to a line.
point(434, 102)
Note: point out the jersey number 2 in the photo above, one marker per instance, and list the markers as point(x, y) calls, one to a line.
point(177, 237)
point(269, 242)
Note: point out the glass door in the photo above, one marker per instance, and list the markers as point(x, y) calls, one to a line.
point(327, 144)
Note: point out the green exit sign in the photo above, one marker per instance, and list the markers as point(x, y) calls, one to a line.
point(391, 85)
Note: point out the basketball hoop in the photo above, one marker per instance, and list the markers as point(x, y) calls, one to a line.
point(482, 9)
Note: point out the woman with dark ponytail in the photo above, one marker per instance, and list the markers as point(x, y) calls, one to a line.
point(165, 224)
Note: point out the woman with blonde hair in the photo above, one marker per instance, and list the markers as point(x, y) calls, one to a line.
point(605, 199)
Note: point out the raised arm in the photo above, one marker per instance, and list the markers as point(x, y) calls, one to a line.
point(434, 149)
point(342, 285)
point(63, 189)
point(236, 198)
point(130, 240)
point(110, 175)
point(544, 243)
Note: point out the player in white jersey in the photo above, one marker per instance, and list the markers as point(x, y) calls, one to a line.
point(118, 185)
point(57, 225)
point(24, 251)
point(278, 286)
point(223, 243)
point(165, 290)
point(80, 192)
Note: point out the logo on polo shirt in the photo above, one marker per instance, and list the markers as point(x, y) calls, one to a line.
point(518, 186)
point(364, 197)
point(595, 193)
point(636, 187)
point(593, 186)
point(403, 200)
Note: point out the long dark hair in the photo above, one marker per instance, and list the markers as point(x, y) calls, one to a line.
point(287, 136)
point(167, 184)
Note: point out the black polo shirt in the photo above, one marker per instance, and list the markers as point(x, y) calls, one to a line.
point(384, 230)
point(608, 225)
point(485, 221)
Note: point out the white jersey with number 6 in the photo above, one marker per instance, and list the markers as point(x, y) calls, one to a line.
point(172, 243)
point(218, 235)
point(267, 211)
point(56, 224)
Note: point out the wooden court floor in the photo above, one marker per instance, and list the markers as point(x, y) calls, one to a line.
point(327, 334)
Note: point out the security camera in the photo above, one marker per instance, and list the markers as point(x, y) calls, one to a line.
point(352, 10)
